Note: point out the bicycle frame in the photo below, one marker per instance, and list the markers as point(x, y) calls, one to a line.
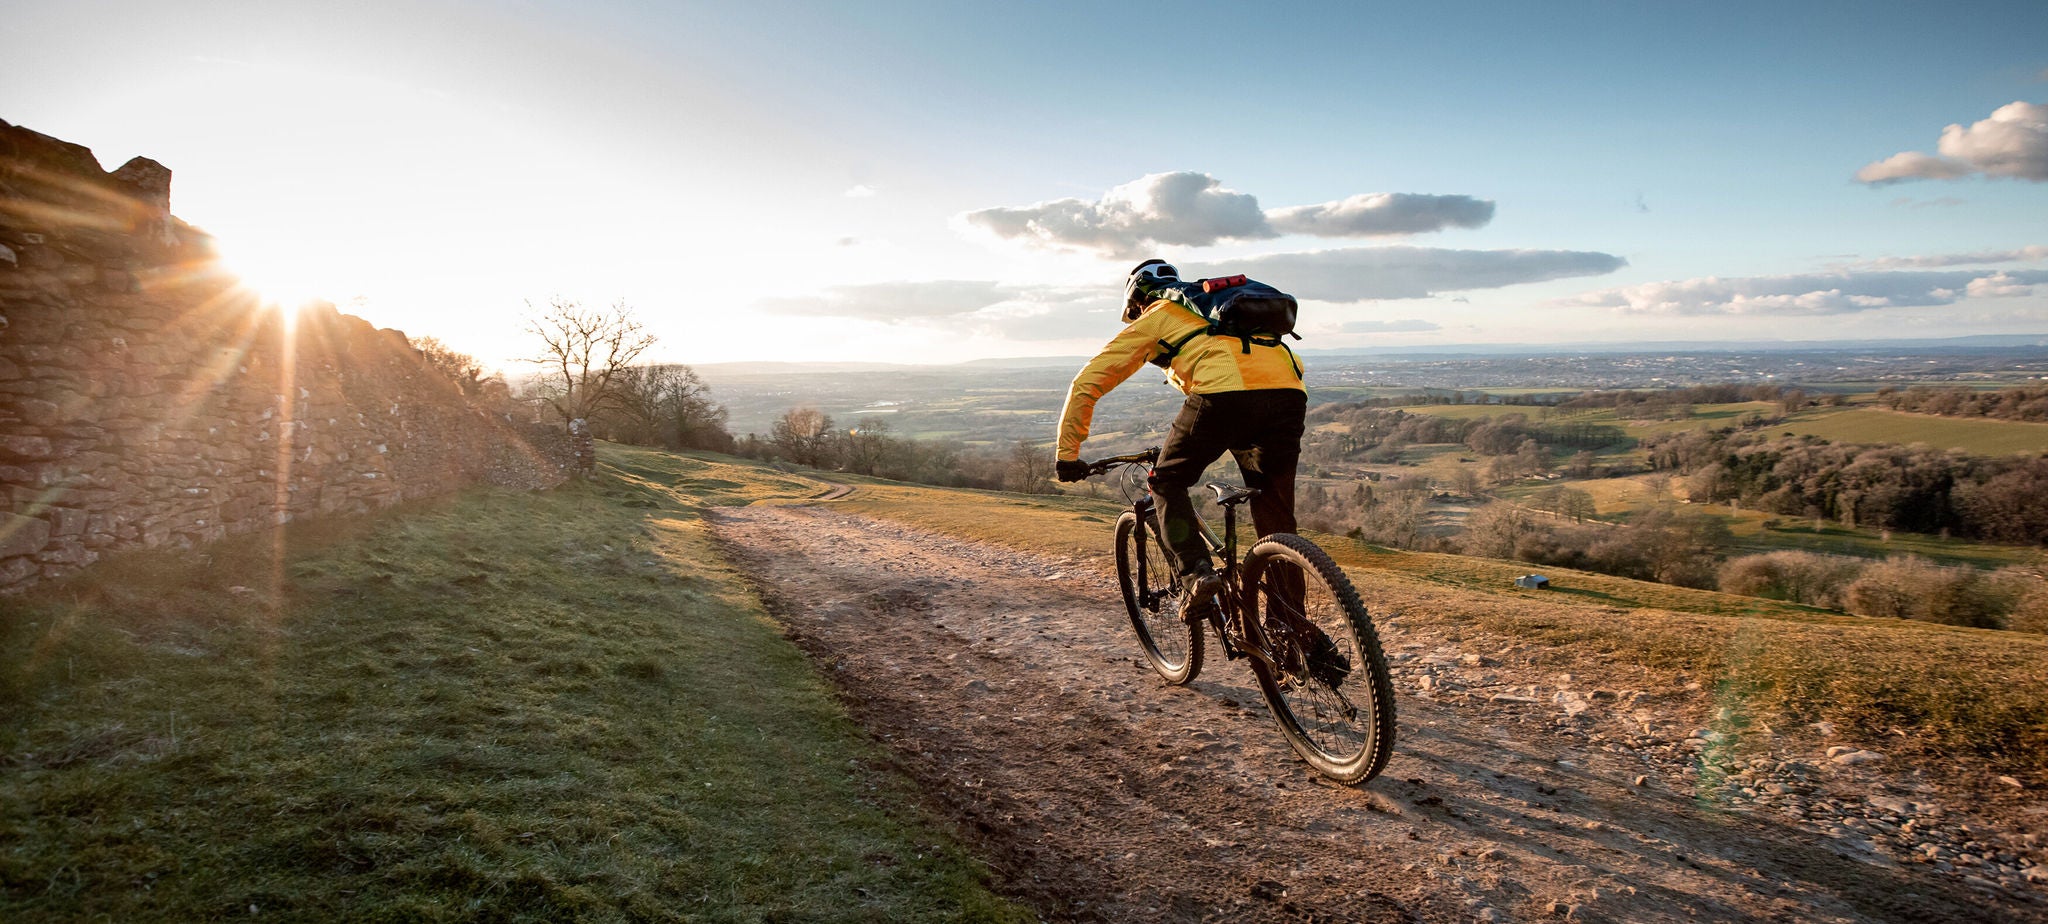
point(1307, 672)
point(1229, 621)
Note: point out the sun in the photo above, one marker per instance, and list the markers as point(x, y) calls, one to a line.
point(283, 277)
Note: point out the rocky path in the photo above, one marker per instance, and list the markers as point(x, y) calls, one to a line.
point(1009, 687)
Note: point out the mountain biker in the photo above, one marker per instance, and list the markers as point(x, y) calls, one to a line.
point(1246, 398)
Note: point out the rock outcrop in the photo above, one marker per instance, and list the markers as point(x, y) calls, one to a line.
point(148, 399)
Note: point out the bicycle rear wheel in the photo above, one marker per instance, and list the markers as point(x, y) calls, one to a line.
point(1174, 647)
point(1328, 686)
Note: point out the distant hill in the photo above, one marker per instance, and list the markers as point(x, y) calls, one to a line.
point(1979, 341)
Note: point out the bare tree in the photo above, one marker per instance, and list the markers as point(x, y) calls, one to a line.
point(804, 435)
point(867, 445)
point(584, 352)
point(1030, 470)
point(1578, 505)
point(1494, 530)
point(460, 368)
point(665, 405)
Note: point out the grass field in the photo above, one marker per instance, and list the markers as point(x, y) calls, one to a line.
point(1876, 425)
point(502, 706)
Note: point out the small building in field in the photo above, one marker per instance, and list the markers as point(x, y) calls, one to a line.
point(1533, 582)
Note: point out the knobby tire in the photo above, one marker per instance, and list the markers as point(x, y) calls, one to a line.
point(1309, 709)
point(1173, 647)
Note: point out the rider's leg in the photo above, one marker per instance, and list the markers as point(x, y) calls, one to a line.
point(1197, 438)
point(1269, 457)
point(1268, 453)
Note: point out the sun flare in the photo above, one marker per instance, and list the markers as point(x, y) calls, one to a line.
point(283, 278)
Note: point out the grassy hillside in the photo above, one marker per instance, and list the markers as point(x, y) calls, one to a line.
point(529, 706)
point(502, 706)
point(1957, 695)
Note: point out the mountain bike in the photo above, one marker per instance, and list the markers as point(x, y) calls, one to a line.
point(1287, 608)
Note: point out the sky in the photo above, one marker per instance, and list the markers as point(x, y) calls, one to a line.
point(939, 182)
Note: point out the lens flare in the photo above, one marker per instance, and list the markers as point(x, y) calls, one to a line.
point(283, 277)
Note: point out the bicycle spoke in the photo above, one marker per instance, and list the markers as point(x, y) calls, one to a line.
point(1327, 679)
point(1172, 646)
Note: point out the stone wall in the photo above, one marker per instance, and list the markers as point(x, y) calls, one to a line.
point(146, 399)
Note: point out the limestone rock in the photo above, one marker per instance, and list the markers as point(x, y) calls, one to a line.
point(20, 535)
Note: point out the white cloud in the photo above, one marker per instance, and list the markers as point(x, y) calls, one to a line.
point(1360, 273)
point(1811, 293)
point(861, 191)
point(1051, 314)
point(1382, 214)
point(1185, 208)
point(1192, 209)
point(1386, 327)
point(1998, 285)
point(892, 301)
point(2029, 254)
point(2012, 143)
point(967, 307)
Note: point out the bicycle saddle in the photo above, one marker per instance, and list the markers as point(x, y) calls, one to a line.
point(1227, 494)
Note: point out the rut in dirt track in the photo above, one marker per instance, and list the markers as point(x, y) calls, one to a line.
point(1010, 687)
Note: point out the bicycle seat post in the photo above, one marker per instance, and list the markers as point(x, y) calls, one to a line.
point(1229, 535)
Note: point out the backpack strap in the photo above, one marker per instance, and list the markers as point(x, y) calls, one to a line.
point(1248, 340)
point(1173, 349)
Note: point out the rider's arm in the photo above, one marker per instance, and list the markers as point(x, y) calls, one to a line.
point(1125, 354)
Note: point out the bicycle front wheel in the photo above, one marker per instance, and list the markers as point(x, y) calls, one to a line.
point(1327, 684)
point(1173, 647)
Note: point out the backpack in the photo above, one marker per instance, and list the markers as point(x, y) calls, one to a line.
point(1251, 311)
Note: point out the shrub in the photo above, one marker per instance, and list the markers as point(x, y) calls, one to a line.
point(2021, 593)
point(1493, 531)
point(2030, 613)
point(1800, 577)
point(1911, 587)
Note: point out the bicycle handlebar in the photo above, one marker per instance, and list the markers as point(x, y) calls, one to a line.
point(1102, 466)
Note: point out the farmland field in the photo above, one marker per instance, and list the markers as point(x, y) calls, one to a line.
point(1876, 425)
point(1847, 424)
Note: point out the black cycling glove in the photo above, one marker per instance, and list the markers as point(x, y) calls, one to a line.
point(1070, 469)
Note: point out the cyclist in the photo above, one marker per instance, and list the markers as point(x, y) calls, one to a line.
point(1244, 397)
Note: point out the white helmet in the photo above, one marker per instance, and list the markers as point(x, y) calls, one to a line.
point(1147, 274)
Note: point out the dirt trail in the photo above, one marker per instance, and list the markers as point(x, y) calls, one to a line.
point(1010, 687)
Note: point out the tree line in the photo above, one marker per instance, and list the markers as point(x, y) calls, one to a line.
point(2024, 403)
point(809, 437)
point(588, 371)
point(1914, 488)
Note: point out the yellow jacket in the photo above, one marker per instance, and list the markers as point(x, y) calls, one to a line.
point(1206, 365)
